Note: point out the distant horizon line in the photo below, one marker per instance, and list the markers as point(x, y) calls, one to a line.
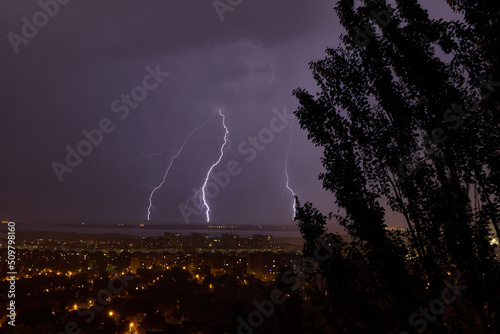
point(175, 224)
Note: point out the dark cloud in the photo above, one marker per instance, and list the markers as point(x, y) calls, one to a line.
point(66, 78)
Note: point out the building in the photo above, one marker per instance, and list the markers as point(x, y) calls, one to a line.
point(172, 239)
point(135, 263)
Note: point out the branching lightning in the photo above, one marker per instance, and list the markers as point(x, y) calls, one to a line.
point(179, 151)
point(286, 172)
point(222, 150)
point(152, 155)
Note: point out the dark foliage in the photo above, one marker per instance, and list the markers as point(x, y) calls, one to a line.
point(407, 115)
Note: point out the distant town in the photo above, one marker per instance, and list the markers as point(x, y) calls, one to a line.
point(258, 255)
point(69, 275)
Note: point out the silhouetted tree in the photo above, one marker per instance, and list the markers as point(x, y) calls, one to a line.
point(406, 117)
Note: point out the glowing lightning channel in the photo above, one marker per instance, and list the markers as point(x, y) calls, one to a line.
point(179, 151)
point(222, 150)
point(152, 155)
point(286, 171)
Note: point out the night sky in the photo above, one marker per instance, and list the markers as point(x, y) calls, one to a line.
point(66, 76)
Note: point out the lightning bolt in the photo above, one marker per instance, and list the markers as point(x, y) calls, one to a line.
point(152, 155)
point(222, 150)
point(286, 172)
point(179, 151)
point(272, 72)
